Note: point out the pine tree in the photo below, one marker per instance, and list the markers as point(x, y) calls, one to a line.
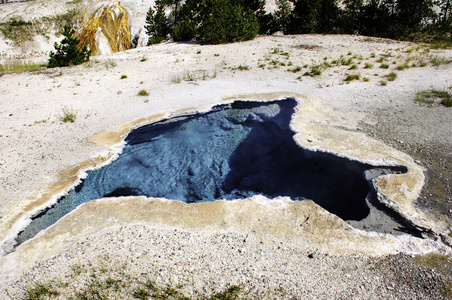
point(445, 15)
point(223, 22)
point(282, 15)
point(352, 11)
point(375, 19)
point(67, 52)
point(319, 16)
point(157, 23)
point(413, 14)
point(175, 12)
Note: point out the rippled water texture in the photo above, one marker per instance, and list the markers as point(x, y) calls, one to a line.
point(233, 151)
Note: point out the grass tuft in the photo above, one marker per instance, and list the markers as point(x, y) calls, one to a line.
point(40, 291)
point(434, 96)
point(69, 115)
point(351, 77)
point(315, 71)
point(346, 62)
point(391, 76)
point(143, 93)
point(402, 67)
point(141, 293)
point(98, 281)
point(438, 60)
point(295, 70)
point(243, 68)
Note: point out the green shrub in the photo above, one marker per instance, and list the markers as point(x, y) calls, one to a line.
point(67, 52)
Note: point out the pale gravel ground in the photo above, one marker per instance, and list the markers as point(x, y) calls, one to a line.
point(201, 262)
point(32, 151)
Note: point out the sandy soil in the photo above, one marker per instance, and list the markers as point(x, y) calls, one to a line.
point(35, 146)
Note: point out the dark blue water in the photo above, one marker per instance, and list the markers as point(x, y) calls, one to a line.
point(233, 151)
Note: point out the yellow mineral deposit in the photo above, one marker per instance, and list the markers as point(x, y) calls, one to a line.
point(105, 28)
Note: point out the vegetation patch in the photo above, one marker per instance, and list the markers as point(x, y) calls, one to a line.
point(19, 30)
point(240, 68)
point(434, 96)
point(68, 116)
point(439, 60)
point(89, 281)
point(41, 290)
point(198, 75)
point(19, 67)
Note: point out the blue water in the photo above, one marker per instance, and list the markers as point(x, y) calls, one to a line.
point(233, 151)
